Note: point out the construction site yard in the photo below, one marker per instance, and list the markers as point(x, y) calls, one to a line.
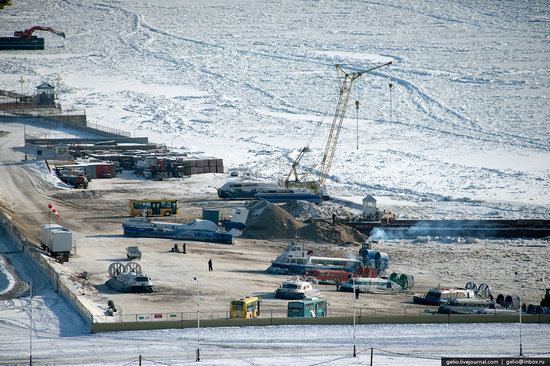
point(95, 217)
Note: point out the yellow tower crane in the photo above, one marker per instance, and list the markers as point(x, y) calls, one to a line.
point(345, 83)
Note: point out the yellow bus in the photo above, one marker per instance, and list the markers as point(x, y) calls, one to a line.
point(247, 307)
point(161, 207)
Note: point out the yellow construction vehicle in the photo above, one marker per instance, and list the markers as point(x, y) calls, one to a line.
point(345, 83)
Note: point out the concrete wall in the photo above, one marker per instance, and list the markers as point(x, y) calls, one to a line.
point(59, 283)
point(75, 121)
point(395, 319)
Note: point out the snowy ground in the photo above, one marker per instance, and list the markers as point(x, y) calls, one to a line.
point(248, 81)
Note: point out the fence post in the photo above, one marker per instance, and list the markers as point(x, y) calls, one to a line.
point(139, 360)
point(371, 354)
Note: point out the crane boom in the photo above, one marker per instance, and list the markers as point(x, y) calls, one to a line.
point(345, 84)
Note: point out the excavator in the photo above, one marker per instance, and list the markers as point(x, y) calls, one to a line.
point(27, 33)
point(24, 40)
point(345, 83)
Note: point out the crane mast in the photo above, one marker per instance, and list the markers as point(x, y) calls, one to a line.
point(345, 84)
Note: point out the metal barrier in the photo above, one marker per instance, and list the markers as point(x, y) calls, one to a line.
point(113, 131)
point(59, 283)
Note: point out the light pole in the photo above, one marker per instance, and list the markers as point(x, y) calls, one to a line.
point(30, 324)
point(25, 138)
point(354, 296)
point(198, 321)
point(518, 273)
point(391, 86)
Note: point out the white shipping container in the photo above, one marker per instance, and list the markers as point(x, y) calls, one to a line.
point(61, 240)
point(44, 229)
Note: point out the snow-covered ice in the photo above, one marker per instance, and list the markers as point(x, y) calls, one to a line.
point(248, 81)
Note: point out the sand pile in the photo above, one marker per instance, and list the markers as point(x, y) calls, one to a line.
point(324, 231)
point(308, 210)
point(269, 221)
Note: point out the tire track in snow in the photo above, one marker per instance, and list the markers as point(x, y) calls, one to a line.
point(414, 91)
point(424, 101)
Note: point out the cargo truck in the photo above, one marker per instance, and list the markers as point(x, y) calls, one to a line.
point(56, 240)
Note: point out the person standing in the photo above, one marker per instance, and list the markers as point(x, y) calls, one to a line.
point(210, 268)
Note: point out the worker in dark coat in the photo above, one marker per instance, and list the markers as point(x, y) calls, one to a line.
point(210, 268)
point(356, 292)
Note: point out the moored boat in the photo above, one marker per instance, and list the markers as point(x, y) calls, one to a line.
point(295, 260)
point(371, 285)
point(198, 230)
point(439, 295)
point(472, 306)
point(282, 195)
point(244, 190)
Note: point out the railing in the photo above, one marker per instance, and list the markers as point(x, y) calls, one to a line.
point(41, 112)
point(110, 130)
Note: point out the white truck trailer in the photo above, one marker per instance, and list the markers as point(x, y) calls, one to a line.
point(56, 239)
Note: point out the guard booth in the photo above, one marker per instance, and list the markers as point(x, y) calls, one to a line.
point(309, 308)
point(369, 207)
point(45, 96)
point(246, 308)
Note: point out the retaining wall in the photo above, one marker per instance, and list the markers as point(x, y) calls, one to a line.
point(348, 320)
point(60, 284)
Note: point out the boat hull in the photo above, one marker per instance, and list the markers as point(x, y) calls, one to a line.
point(411, 229)
point(298, 269)
point(21, 43)
point(284, 197)
point(427, 301)
point(192, 235)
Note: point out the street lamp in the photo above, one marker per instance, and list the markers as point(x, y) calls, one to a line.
point(198, 321)
point(30, 324)
point(354, 297)
point(520, 311)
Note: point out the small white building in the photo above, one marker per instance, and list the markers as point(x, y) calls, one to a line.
point(369, 207)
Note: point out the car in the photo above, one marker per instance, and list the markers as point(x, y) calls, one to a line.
point(133, 253)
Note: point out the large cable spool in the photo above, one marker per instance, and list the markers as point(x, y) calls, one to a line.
point(512, 302)
point(406, 281)
point(382, 261)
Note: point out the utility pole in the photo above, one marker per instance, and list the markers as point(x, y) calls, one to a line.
point(198, 321)
point(30, 324)
point(391, 109)
point(518, 273)
point(22, 81)
point(354, 297)
point(25, 138)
